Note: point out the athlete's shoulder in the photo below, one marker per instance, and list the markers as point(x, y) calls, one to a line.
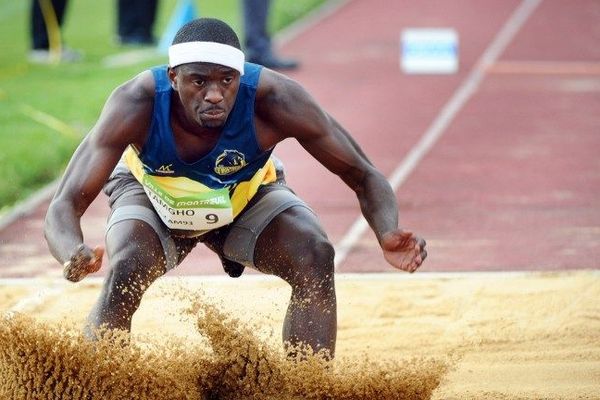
point(138, 89)
point(278, 93)
point(272, 86)
point(128, 111)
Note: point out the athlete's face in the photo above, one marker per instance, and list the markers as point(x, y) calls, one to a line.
point(207, 92)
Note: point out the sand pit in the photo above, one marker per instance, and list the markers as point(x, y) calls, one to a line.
point(504, 336)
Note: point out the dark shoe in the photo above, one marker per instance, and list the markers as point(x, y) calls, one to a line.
point(275, 62)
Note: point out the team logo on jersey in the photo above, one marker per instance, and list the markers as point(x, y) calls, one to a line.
point(165, 169)
point(229, 162)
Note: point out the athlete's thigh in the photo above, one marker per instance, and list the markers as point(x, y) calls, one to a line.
point(133, 226)
point(133, 240)
point(286, 239)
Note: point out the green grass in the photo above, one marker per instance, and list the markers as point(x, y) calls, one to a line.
point(33, 152)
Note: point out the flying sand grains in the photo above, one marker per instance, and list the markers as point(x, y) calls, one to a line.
point(45, 361)
point(253, 370)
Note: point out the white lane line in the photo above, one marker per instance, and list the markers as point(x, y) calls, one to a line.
point(444, 118)
point(534, 67)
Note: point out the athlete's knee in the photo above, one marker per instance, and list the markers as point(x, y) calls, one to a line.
point(312, 264)
point(135, 250)
point(130, 276)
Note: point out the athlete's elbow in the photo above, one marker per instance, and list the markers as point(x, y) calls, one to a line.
point(357, 180)
point(58, 210)
point(50, 221)
point(372, 181)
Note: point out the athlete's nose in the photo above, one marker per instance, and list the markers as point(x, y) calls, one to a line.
point(213, 94)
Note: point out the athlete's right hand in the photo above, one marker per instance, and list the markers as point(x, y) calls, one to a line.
point(83, 261)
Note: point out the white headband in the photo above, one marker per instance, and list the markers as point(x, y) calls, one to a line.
point(211, 52)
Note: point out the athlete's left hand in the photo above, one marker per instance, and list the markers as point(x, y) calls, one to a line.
point(403, 250)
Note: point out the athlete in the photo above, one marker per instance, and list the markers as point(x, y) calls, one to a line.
point(184, 154)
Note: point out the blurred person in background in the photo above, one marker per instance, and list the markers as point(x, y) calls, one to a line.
point(46, 20)
point(257, 42)
point(135, 21)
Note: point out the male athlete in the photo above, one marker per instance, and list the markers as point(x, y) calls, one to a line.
point(184, 153)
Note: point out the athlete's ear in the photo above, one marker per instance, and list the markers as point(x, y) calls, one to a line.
point(172, 77)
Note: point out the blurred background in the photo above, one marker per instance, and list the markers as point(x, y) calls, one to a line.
point(46, 108)
point(494, 162)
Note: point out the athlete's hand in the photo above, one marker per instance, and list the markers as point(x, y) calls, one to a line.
point(83, 261)
point(403, 250)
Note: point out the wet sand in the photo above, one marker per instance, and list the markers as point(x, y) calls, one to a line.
point(498, 336)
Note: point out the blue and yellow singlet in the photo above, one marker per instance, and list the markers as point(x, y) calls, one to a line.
point(210, 192)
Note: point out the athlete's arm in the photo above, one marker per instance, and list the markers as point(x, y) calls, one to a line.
point(290, 111)
point(124, 120)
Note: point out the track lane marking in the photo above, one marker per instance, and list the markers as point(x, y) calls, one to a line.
point(544, 68)
point(460, 97)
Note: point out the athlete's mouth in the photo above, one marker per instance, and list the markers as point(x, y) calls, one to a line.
point(213, 113)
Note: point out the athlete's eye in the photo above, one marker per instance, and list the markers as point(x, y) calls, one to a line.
point(198, 82)
point(228, 80)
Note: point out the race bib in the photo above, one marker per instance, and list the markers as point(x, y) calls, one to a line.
point(196, 211)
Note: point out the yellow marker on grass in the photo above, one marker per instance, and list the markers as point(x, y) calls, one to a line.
point(50, 121)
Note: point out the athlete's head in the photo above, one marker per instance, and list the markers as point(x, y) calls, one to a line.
point(205, 63)
point(207, 30)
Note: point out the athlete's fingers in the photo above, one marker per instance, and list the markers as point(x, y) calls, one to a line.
point(418, 265)
point(73, 271)
point(82, 253)
point(396, 240)
point(98, 252)
point(418, 260)
point(96, 261)
point(82, 262)
point(406, 240)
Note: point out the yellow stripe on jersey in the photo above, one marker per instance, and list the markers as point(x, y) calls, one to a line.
point(182, 186)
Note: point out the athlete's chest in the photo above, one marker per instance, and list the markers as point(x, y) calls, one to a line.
point(191, 147)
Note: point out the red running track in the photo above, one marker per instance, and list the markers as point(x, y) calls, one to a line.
point(511, 183)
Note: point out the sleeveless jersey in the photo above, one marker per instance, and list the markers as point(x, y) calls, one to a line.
point(210, 192)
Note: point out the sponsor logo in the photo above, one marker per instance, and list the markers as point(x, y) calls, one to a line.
point(229, 162)
point(165, 169)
